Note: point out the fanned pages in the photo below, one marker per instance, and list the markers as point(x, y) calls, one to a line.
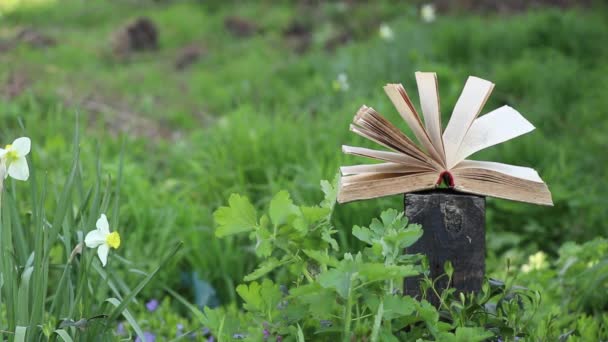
point(429, 103)
point(440, 156)
point(472, 99)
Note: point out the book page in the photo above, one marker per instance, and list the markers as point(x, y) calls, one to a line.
point(358, 187)
point(496, 184)
point(472, 99)
point(429, 102)
point(373, 126)
point(498, 126)
point(507, 169)
point(386, 156)
point(406, 109)
point(380, 168)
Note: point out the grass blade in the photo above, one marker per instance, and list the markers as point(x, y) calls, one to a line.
point(64, 335)
point(129, 318)
point(118, 310)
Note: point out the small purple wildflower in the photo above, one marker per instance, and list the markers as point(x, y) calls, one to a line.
point(279, 338)
point(238, 336)
point(206, 331)
point(179, 329)
point(210, 339)
point(152, 305)
point(148, 337)
point(120, 329)
point(266, 334)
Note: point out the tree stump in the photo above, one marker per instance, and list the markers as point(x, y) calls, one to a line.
point(454, 230)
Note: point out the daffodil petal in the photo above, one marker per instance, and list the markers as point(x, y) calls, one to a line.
point(102, 253)
point(22, 146)
point(95, 238)
point(19, 170)
point(102, 224)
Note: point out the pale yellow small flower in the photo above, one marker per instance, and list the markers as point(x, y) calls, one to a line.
point(341, 82)
point(536, 261)
point(427, 12)
point(386, 32)
point(102, 239)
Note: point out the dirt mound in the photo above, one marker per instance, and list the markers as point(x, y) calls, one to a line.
point(137, 36)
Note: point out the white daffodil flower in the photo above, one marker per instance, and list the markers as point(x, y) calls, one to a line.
point(102, 239)
point(13, 158)
point(427, 12)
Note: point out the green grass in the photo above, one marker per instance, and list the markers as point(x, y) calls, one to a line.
point(254, 117)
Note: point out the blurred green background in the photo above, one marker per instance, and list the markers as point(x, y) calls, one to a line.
point(210, 98)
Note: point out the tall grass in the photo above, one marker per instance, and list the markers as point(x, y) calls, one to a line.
point(50, 283)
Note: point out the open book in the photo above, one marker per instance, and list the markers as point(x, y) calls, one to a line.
point(440, 155)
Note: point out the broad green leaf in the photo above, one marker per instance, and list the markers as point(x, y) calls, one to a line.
point(320, 301)
point(378, 271)
point(321, 257)
point(263, 244)
point(405, 237)
point(467, 334)
point(260, 297)
point(363, 234)
point(281, 208)
point(240, 216)
point(315, 214)
point(339, 279)
point(251, 296)
point(398, 306)
point(389, 217)
point(264, 268)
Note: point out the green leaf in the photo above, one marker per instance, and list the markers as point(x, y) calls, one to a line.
point(300, 335)
point(466, 334)
point(321, 257)
point(389, 217)
point(281, 208)
point(24, 296)
point(331, 193)
point(129, 297)
point(240, 216)
point(320, 301)
point(314, 214)
point(63, 334)
point(251, 296)
point(260, 297)
point(264, 268)
point(379, 271)
point(363, 234)
point(263, 245)
point(339, 279)
point(398, 306)
point(326, 236)
point(20, 333)
point(129, 317)
point(406, 237)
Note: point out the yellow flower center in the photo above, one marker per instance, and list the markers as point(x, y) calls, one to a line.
point(113, 240)
point(11, 155)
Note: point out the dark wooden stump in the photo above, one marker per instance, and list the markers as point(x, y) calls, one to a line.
point(454, 230)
